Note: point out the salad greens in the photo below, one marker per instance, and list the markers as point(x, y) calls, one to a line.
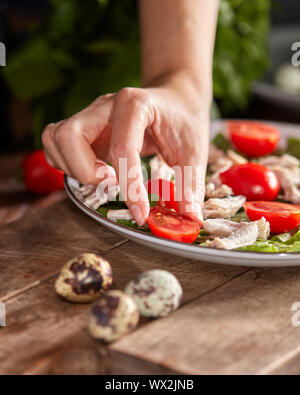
point(293, 147)
point(221, 142)
point(281, 243)
point(286, 242)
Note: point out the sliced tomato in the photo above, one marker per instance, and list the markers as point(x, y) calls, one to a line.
point(165, 190)
point(252, 180)
point(282, 217)
point(253, 138)
point(168, 224)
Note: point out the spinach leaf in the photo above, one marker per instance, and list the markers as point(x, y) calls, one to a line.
point(240, 216)
point(115, 205)
point(221, 142)
point(133, 225)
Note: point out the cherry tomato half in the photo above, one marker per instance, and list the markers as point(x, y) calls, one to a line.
point(39, 176)
point(165, 190)
point(253, 138)
point(282, 217)
point(171, 225)
point(252, 180)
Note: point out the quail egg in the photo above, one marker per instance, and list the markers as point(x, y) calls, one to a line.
point(84, 278)
point(156, 293)
point(114, 314)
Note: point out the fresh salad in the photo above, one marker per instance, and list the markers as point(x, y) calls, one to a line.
point(252, 194)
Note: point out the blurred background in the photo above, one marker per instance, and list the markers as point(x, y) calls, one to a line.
point(61, 54)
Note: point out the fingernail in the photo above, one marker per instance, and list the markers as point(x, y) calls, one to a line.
point(197, 210)
point(137, 214)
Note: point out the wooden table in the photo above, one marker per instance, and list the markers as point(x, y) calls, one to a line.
point(233, 319)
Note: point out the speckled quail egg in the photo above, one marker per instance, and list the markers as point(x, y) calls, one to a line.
point(113, 315)
point(156, 293)
point(84, 278)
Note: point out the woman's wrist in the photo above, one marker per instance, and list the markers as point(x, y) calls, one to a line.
point(186, 85)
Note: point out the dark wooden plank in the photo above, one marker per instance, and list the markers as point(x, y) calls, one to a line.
point(234, 320)
point(38, 322)
point(38, 245)
point(75, 355)
point(196, 277)
point(243, 327)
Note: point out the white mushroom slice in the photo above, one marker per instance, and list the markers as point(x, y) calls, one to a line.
point(244, 236)
point(236, 158)
point(87, 194)
point(263, 228)
point(225, 227)
point(219, 192)
point(218, 161)
point(107, 193)
point(92, 201)
point(221, 227)
point(221, 165)
point(215, 154)
point(84, 191)
point(94, 197)
point(114, 215)
point(285, 161)
point(215, 179)
point(285, 177)
point(223, 208)
point(159, 169)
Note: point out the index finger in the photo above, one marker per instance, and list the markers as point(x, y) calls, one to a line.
point(129, 122)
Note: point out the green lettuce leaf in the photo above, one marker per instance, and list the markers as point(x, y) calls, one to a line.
point(260, 246)
point(285, 242)
point(287, 238)
point(293, 147)
point(240, 216)
point(221, 142)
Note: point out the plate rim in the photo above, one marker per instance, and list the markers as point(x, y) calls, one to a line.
point(158, 241)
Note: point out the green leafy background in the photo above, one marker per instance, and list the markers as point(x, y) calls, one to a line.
point(85, 49)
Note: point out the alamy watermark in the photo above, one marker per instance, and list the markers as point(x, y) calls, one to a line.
point(2, 54)
point(296, 55)
point(2, 314)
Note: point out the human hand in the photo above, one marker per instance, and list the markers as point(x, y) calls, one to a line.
point(170, 118)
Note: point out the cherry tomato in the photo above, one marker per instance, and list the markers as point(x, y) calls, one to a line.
point(39, 176)
point(252, 180)
point(282, 217)
point(253, 138)
point(171, 225)
point(165, 190)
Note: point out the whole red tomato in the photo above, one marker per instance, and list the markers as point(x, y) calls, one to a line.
point(252, 180)
point(39, 176)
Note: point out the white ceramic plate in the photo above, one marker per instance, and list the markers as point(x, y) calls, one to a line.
point(192, 251)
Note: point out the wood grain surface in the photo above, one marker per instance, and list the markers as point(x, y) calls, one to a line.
point(233, 319)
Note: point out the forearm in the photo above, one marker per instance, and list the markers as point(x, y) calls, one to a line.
point(178, 39)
